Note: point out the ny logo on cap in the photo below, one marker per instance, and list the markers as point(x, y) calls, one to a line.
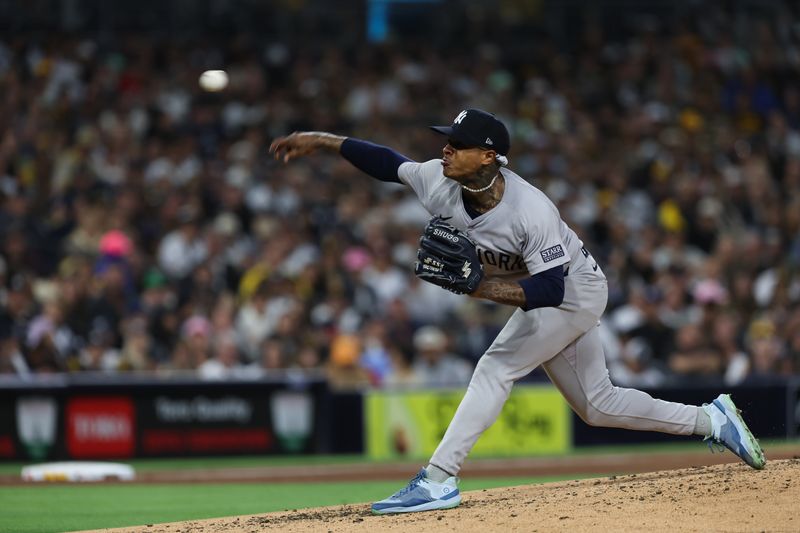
point(460, 117)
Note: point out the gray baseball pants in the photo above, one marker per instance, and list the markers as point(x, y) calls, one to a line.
point(565, 340)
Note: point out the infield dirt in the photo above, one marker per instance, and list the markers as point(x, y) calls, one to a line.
point(725, 497)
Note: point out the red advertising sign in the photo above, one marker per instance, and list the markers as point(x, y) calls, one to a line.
point(6, 446)
point(100, 427)
point(210, 440)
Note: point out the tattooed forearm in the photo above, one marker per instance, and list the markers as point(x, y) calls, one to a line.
point(501, 291)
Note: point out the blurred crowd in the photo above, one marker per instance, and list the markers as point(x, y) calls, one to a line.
point(144, 226)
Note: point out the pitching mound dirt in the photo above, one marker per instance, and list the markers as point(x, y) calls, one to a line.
point(729, 497)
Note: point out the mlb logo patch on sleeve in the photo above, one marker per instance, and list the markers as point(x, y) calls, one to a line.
point(554, 252)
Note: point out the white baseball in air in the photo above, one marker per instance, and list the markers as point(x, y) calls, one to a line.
point(213, 80)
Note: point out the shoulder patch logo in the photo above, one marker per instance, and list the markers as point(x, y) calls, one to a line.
point(554, 252)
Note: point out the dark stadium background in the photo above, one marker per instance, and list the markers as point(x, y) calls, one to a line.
point(667, 132)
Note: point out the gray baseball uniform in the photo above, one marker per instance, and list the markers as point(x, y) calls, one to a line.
point(522, 236)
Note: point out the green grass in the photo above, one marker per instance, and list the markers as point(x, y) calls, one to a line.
point(150, 465)
point(244, 461)
point(46, 508)
point(75, 507)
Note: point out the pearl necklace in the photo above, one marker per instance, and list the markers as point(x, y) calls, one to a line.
point(483, 188)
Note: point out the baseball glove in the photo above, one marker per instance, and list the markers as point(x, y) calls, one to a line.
point(447, 258)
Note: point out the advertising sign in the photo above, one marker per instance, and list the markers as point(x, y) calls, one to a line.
point(186, 423)
point(100, 427)
point(84, 419)
point(37, 421)
point(7, 448)
point(293, 418)
point(534, 420)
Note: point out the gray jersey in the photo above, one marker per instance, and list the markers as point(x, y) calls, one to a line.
point(521, 236)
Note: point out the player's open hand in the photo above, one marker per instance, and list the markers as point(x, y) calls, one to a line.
point(303, 143)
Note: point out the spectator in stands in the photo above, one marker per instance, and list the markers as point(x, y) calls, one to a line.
point(182, 249)
point(376, 357)
point(678, 165)
point(114, 267)
point(726, 339)
point(629, 356)
point(693, 355)
point(767, 357)
point(224, 362)
point(344, 372)
point(381, 275)
point(137, 352)
point(308, 358)
point(51, 341)
point(11, 359)
point(434, 364)
point(402, 374)
point(99, 355)
point(197, 335)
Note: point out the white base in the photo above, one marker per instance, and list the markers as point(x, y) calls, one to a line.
point(78, 471)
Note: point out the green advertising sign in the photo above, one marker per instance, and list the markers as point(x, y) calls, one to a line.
point(534, 420)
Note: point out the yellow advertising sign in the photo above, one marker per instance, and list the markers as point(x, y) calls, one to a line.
point(534, 420)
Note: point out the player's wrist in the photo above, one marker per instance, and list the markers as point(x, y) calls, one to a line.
point(329, 141)
point(479, 290)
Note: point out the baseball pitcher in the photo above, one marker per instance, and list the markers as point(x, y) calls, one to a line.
point(495, 236)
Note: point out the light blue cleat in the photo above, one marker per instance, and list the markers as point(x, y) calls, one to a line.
point(729, 430)
point(421, 494)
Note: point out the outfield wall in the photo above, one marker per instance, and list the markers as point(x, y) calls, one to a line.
point(77, 419)
point(73, 417)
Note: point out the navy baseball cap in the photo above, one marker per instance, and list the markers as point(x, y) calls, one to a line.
point(475, 128)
